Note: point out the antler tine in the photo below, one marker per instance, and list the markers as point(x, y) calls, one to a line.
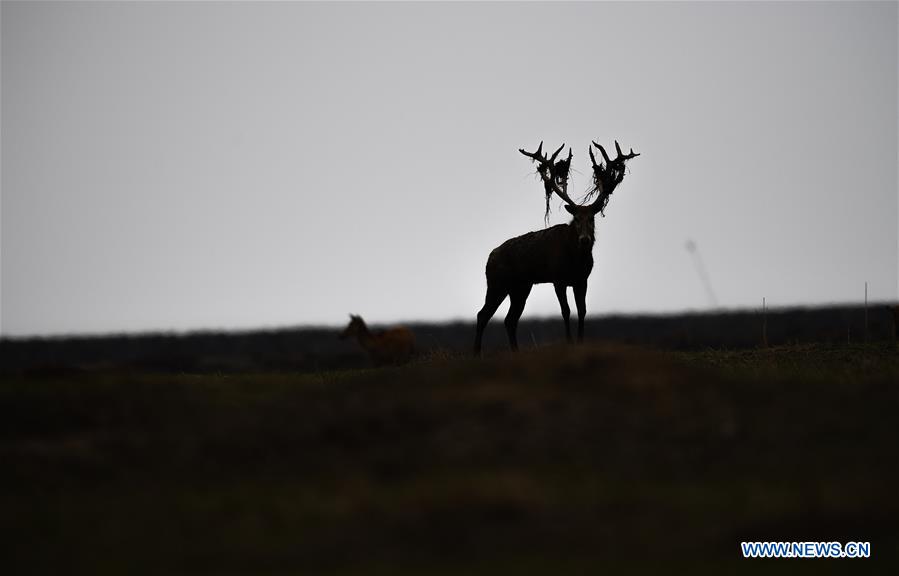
point(624, 156)
point(603, 151)
point(592, 157)
point(537, 156)
point(556, 153)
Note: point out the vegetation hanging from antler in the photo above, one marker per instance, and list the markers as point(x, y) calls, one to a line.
point(554, 174)
point(607, 175)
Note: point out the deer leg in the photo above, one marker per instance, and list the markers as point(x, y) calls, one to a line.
point(566, 311)
point(492, 301)
point(517, 298)
point(580, 300)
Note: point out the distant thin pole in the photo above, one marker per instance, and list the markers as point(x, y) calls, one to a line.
point(693, 249)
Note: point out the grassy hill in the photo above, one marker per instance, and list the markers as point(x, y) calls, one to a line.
point(316, 349)
point(556, 460)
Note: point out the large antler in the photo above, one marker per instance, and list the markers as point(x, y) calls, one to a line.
point(607, 175)
point(553, 173)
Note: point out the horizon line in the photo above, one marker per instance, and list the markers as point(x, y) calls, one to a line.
point(187, 332)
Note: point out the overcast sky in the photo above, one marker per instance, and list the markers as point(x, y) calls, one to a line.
point(239, 165)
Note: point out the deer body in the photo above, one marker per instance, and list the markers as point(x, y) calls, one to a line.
point(561, 255)
point(553, 256)
point(392, 346)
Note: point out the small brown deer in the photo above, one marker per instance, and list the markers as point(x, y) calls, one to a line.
point(561, 255)
point(393, 346)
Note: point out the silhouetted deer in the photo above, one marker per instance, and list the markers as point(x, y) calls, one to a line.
point(561, 255)
point(393, 346)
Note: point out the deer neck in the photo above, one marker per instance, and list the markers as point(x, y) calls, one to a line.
point(364, 336)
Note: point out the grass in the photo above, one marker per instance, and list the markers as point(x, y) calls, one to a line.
point(555, 460)
point(852, 362)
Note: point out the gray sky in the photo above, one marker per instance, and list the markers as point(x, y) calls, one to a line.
point(238, 165)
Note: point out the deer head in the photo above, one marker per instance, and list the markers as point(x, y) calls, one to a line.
point(355, 328)
point(607, 175)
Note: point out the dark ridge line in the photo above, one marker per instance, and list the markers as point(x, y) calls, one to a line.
point(325, 328)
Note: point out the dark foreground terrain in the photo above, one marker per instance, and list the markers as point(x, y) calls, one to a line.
point(559, 460)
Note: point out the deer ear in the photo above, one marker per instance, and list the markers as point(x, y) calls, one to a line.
point(570, 209)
